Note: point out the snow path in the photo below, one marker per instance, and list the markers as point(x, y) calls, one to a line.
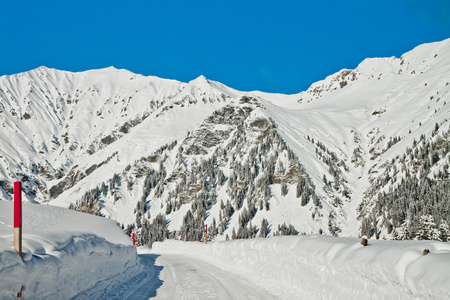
point(305, 267)
point(289, 267)
point(188, 278)
point(175, 276)
point(142, 286)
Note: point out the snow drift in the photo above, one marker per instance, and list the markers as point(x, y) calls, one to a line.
point(324, 267)
point(64, 252)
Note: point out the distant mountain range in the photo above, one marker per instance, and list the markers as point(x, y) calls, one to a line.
point(363, 152)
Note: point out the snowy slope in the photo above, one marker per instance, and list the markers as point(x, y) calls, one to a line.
point(360, 111)
point(92, 139)
point(53, 121)
point(64, 252)
point(313, 267)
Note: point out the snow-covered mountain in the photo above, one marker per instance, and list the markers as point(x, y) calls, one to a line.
point(364, 151)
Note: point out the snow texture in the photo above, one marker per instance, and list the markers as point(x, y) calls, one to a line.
point(64, 252)
point(320, 267)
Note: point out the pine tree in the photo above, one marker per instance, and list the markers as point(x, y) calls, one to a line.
point(104, 191)
point(375, 228)
point(315, 198)
point(299, 190)
point(427, 228)
point(284, 189)
point(402, 233)
point(138, 221)
point(266, 204)
point(444, 231)
point(264, 228)
point(214, 229)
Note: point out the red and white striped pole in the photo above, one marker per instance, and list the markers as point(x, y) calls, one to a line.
point(18, 217)
point(134, 241)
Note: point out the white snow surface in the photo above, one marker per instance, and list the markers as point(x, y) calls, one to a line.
point(64, 252)
point(305, 267)
point(55, 125)
point(69, 255)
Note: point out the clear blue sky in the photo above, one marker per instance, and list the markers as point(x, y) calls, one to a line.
point(274, 46)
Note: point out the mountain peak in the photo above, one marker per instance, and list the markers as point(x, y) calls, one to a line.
point(200, 81)
point(112, 68)
point(41, 69)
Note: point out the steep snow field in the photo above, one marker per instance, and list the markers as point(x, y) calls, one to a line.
point(307, 267)
point(64, 252)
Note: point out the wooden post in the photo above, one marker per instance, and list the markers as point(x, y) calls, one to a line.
point(20, 294)
point(206, 234)
point(18, 217)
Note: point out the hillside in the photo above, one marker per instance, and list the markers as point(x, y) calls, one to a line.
point(363, 152)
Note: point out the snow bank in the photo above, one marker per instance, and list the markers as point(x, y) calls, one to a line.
point(323, 267)
point(64, 252)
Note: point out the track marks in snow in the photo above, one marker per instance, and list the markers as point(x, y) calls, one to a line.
point(188, 278)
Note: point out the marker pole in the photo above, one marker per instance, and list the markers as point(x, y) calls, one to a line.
point(206, 234)
point(18, 217)
point(134, 241)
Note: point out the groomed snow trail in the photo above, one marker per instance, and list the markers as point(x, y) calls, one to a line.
point(188, 278)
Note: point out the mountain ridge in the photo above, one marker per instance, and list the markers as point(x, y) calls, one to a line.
point(329, 143)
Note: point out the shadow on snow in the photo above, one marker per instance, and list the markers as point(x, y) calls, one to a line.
point(142, 285)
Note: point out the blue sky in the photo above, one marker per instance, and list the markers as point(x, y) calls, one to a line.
point(274, 46)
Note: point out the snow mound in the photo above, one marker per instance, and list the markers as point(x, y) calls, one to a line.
point(64, 252)
point(323, 267)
